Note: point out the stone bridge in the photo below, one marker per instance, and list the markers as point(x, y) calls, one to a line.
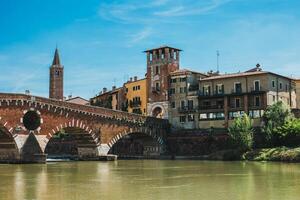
point(27, 123)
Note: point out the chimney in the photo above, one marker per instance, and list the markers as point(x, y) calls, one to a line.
point(104, 90)
point(113, 88)
point(135, 78)
point(130, 80)
point(70, 96)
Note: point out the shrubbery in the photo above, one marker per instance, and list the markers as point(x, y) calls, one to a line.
point(241, 132)
point(280, 126)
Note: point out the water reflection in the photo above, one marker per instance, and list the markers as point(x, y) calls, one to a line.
point(151, 179)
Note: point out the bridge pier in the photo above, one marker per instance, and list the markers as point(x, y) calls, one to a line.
point(87, 153)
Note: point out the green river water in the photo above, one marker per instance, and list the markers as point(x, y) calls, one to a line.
point(151, 179)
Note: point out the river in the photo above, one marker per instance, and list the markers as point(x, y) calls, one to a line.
point(151, 179)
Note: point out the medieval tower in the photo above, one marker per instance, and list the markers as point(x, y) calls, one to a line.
point(160, 63)
point(56, 86)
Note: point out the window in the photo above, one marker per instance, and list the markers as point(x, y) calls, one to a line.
point(182, 104)
point(237, 102)
point(156, 70)
point(173, 104)
point(150, 57)
point(236, 114)
point(212, 116)
point(183, 79)
point(273, 83)
point(191, 118)
point(162, 56)
point(257, 101)
point(183, 90)
point(174, 55)
point(203, 116)
point(280, 86)
point(157, 86)
point(190, 104)
point(274, 98)
point(220, 89)
point(182, 119)
point(56, 73)
point(172, 91)
point(206, 90)
point(255, 113)
point(256, 85)
point(238, 88)
point(173, 80)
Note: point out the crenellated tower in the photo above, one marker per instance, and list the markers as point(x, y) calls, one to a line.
point(160, 63)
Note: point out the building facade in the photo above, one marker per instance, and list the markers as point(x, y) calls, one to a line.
point(136, 95)
point(160, 63)
point(56, 82)
point(104, 99)
point(297, 83)
point(224, 97)
point(183, 97)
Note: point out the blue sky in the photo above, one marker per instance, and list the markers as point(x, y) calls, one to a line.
point(101, 42)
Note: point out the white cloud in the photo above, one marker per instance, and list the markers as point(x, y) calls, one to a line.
point(139, 36)
point(192, 9)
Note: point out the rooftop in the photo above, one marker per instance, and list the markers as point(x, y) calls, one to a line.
point(162, 47)
point(185, 72)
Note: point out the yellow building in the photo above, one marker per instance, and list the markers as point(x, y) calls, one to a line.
point(136, 95)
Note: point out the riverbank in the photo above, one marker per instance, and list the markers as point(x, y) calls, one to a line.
point(282, 154)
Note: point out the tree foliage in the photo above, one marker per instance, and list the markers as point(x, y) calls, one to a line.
point(241, 132)
point(275, 117)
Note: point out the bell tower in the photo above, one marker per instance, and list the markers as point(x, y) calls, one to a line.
point(56, 86)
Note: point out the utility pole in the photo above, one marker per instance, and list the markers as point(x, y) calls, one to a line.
point(218, 55)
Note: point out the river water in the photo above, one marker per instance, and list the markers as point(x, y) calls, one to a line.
point(151, 179)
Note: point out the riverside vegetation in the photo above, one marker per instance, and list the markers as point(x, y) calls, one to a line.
point(278, 139)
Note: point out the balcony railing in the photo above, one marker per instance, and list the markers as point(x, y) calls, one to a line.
point(234, 106)
point(186, 109)
point(211, 107)
point(156, 89)
point(135, 103)
point(215, 93)
point(236, 91)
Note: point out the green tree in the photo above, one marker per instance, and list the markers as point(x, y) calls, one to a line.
point(241, 132)
point(289, 133)
point(275, 117)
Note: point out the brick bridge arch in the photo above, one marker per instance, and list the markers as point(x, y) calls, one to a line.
point(103, 126)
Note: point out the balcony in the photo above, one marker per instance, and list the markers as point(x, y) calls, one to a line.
point(256, 90)
point(211, 107)
point(237, 91)
point(133, 104)
point(187, 109)
point(236, 107)
point(203, 94)
point(155, 89)
point(214, 94)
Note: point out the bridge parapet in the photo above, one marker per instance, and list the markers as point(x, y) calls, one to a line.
point(85, 109)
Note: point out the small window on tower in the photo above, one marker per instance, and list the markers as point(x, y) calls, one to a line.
point(156, 70)
point(57, 73)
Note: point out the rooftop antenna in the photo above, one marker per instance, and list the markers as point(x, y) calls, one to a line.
point(218, 55)
point(114, 81)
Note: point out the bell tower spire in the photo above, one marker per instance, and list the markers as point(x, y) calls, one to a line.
point(56, 86)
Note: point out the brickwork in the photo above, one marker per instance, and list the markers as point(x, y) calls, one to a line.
point(104, 126)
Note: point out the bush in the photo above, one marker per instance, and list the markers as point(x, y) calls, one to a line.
point(289, 133)
point(241, 132)
point(275, 116)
